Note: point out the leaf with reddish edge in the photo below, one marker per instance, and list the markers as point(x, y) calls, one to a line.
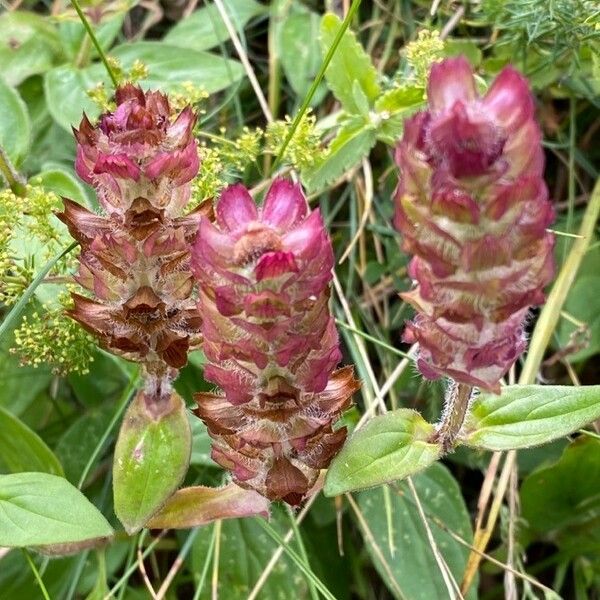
point(200, 505)
point(152, 456)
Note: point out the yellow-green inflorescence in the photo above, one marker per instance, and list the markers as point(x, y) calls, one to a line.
point(421, 53)
point(48, 337)
point(29, 236)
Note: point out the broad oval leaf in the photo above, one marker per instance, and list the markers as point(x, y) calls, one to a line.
point(152, 456)
point(66, 87)
point(15, 126)
point(389, 447)
point(404, 557)
point(350, 63)
point(199, 505)
point(204, 28)
point(23, 449)
point(39, 509)
point(29, 44)
point(300, 61)
point(529, 415)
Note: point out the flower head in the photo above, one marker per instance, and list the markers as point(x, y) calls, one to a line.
point(473, 209)
point(270, 341)
point(139, 150)
point(134, 260)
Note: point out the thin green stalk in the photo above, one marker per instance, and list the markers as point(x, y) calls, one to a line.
point(11, 176)
point(311, 586)
point(129, 572)
point(36, 574)
point(206, 566)
point(19, 307)
point(297, 559)
point(315, 84)
point(372, 339)
point(123, 402)
point(97, 45)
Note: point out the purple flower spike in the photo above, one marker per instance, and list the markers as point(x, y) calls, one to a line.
point(473, 209)
point(270, 341)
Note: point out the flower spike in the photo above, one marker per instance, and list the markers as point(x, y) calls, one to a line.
point(135, 258)
point(270, 341)
point(472, 208)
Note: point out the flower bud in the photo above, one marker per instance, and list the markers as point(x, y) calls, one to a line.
point(472, 207)
point(270, 341)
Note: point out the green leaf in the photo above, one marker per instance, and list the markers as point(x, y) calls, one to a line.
point(151, 459)
point(411, 571)
point(23, 449)
point(66, 87)
point(61, 182)
point(204, 28)
point(245, 550)
point(300, 60)
point(350, 63)
point(393, 107)
point(564, 494)
point(389, 447)
point(38, 509)
point(201, 444)
point(79, 441)
point(15, 127)
point(583, 303)
point(199, 505)
point(29, 44)
point(352, 143)
point(528, 415)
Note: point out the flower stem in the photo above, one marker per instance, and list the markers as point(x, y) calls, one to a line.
point(455, 411)
point(10, 174)
point(94, 39)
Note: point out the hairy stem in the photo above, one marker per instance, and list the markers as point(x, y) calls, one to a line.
point(455, 411)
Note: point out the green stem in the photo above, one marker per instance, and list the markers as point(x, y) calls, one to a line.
point(90, 32)
point(36, 574)
point(10, 174)
point(372, 339)
point(303, 553)
point(299, 562)
point(315, 84)
point(548, 319)
point(18, 308)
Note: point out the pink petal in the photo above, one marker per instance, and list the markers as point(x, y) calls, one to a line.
point(118, 165)
point(450, 81)
point(509, 100)
point(235, 208)
point(274, 264)
point(284, 205)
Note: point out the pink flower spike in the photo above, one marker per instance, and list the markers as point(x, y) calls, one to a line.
point(270, 341)
point(473, 210)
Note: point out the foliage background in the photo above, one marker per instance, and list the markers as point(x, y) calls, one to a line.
point(61, 397)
